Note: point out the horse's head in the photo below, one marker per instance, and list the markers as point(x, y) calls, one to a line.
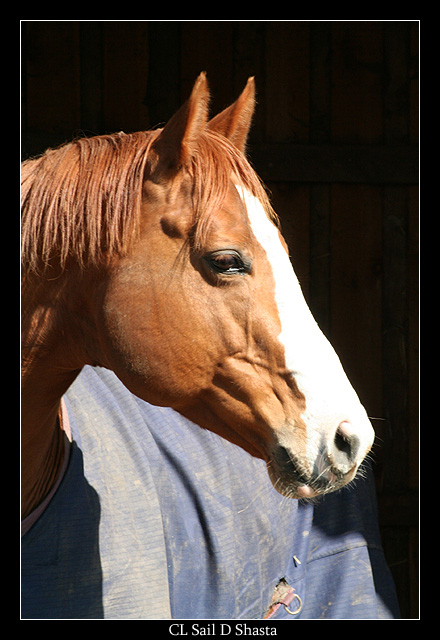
point(204, 313)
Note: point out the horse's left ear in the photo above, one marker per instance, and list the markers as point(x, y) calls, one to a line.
point(177, 142)
point(235, 121)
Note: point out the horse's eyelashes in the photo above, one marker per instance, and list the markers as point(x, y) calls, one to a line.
point(227, 262)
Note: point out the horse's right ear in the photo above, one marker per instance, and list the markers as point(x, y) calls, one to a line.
point(235, 121)
point(177, 141)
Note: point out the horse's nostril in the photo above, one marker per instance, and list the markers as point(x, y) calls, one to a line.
point(344, 448)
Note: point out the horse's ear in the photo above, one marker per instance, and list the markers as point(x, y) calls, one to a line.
point(235, 121)
point(177, 141)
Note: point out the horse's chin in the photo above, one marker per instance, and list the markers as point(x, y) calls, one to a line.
point(289, 485)
point(290, 478)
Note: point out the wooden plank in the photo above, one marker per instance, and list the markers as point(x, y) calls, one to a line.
point(91, 77)
point(396, 94)
point(413, 73)
point(287, 81)
point(395, 262)
point(164, 85)
point(320, 209)
point(51, 74)
point(208, 46)
point(356, 295)
point(364, 164)
point(320, 83)
point(291, 202)
point(395, 335)
point(413, 336)
point(399, 509)
point(248, 58)
point(357, 81)
point(125, 71)
point(320, 256)
point(248, 53)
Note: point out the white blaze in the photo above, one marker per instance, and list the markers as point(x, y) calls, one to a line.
point(330, 398)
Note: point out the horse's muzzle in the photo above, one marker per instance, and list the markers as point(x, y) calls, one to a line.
point(335, 466)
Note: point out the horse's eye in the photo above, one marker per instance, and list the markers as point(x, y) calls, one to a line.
point(227, 262)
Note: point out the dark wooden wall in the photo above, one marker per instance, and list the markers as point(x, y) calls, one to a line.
point(335, 138)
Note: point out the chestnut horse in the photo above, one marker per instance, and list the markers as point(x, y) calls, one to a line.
point(157, 255)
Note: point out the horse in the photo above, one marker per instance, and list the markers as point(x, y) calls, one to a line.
point(158, 255)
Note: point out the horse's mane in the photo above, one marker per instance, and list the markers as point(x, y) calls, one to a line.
point(83, 199)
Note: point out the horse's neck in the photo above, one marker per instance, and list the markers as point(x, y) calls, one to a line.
point(42, 438)
point(47, 374)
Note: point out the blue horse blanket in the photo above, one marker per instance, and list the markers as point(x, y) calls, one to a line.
point(156, 518)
